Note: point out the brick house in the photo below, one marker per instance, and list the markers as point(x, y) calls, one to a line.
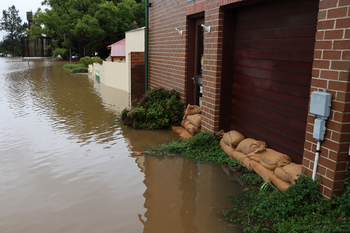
point(255, 69)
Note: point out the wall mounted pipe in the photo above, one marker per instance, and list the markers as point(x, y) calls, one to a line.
point(317, 156)
point(147, 5)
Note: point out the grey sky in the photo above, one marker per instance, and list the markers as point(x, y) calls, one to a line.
point(23, 6)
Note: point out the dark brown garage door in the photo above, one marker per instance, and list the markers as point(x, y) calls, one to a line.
point(273, 54)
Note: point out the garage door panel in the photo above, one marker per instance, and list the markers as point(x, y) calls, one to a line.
point(275, 54)
point(282, 98)
point(274, 121)
point(285, 145)
point(277, 65)
point(278, 22)
point(289, 32)
point(267, 123)
point(286, 77)
point(272, 55)
point(271, 9)
point(274, 107)
point(272, 85)
point(281, 43)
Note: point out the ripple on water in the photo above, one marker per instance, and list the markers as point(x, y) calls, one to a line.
point(66, 165)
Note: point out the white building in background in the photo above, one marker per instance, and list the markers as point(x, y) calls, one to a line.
point(117, 71)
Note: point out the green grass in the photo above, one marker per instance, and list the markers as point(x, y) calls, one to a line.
point(76, 68)
point(204, 147)
point(300, 209)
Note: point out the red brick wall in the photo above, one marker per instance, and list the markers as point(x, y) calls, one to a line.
point(168, 49)
point(168, 69)
point(137, 75)
point(331, 71)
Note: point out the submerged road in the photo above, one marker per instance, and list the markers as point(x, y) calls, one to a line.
point(68, 165)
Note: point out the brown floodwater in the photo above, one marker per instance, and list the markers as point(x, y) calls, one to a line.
point(68, 165)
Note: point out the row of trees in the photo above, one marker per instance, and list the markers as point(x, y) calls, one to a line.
point(12, 24)
point(84, 26)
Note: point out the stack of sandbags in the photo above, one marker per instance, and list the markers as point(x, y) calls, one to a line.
point(192, 119)
point(268, 163)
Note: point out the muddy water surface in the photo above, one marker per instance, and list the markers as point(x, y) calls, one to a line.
point(67, 165)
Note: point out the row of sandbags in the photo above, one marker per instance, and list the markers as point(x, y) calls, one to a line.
point(268, 163)
point(191, 121)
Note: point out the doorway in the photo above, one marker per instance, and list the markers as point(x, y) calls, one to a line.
point(195, 61)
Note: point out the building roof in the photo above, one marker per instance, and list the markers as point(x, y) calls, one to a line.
point(117, 49)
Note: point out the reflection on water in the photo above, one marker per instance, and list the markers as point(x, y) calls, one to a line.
point(66, 162)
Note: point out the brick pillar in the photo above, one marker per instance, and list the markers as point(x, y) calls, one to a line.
point(212, 66)
point(331, 71)
point(137, 75)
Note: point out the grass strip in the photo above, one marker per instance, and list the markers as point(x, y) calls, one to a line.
point(204, 147)
point(75, 68)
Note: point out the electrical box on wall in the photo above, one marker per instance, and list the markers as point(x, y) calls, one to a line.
point(320, 104)
point(319, 129)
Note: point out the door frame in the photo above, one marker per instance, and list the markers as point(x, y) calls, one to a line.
point(191, 56)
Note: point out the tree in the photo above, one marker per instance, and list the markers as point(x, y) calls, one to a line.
point(90, 24)
point(12, 23)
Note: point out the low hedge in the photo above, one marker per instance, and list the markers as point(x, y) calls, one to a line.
point(157, 109)
point(76, 68)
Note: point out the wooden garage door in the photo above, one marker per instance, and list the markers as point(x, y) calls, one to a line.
point(273, 54)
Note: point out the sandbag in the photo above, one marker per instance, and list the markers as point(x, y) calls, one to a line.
point(185, 135)
point(250, 145)
point(254, 157)
point(183, 122)
point(195, 120)
point(289, 173)
point(262, 171)
point(239, 156)
point(191, 128)
point(247, 163)
point(227, 149)
point(191, 110)
point(270, 159)
point(233, 138)
point(280, 184)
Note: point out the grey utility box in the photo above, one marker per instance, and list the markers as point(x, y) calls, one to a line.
point(320, 104)
point(319, 129)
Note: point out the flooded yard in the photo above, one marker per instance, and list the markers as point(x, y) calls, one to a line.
point(68, 165)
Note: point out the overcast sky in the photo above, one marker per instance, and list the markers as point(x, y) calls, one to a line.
point(23, 6)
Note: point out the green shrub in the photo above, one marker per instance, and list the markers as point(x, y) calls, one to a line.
point(76, 68)
point(204, 147)
point(158, 109)
point(79, 70)
point(90, 60)
point(70, 66)
point(300, 209)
